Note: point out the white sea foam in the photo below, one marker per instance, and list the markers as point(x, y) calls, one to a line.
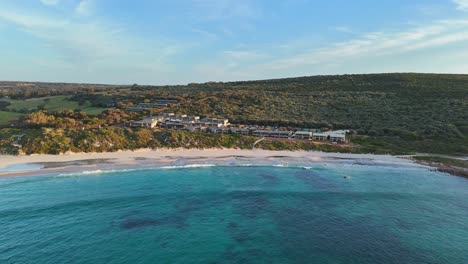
point(99, 172)
point(188, 166)
point(280, 165)
point(175, 167)
point(96, 172)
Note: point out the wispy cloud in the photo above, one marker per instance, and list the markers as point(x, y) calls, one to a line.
point(73, 40)
point(30, 21)
point(461, 4)
point(92, 46)
point(380, 44)
point(373, 47)
point(50, 2)
point(209, 41)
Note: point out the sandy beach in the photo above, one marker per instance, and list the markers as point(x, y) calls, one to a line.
point(44, 164)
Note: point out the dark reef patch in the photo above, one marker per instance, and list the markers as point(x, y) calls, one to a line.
point(315, 180)
point(139, 223)
point(184, 209)
point(314, 233)
point(251, 204)
point(269, 179)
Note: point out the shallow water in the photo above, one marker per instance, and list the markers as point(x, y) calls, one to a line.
point(21, 167)
point(380, 214)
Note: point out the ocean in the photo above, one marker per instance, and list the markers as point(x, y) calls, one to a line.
point(336, 213)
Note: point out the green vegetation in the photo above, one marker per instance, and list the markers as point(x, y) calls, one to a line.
point(7, 117)
point(13, 109)
point(51, 103)
point(399, 146)
point(389, 113)
point(108, 139)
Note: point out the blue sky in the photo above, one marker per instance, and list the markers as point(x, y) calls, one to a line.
point(183, 41)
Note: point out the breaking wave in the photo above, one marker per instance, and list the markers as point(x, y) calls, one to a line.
point(176, 167)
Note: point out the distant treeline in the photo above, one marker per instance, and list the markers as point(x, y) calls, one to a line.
point(25, 90)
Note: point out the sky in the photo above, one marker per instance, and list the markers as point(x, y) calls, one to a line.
point(182, 41)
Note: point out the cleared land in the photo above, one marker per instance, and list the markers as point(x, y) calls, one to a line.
point(51, 103)
point(6, 117)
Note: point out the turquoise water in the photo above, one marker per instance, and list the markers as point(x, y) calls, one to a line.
point(381, 214)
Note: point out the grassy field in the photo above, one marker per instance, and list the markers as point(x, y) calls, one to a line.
point(6, 117)
point(53, 103)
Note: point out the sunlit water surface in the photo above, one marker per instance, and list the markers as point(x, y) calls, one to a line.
point(380, 214)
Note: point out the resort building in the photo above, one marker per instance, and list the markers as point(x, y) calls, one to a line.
point(173, 125)
point(303, 135)
point(272, 134)
point(148, 122)
point(190, 119)
point(192, 123)
point(218, 130)
point(196, 128)
point(240, 131)
point(215, 122)
point(150, 105)
point(221, 125)
point(333, 136)
point(163, 116)
point(166, 101)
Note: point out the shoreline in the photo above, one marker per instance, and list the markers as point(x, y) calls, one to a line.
point(40, 164)
point(441, 167)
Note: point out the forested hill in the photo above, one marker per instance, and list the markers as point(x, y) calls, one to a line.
point(419, 109)
point(428, 104)
point(395, 113)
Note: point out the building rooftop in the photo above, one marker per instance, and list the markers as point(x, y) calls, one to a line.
point(272, 131)
point(303, 133)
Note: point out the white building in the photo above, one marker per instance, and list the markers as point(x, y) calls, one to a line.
point(148, 122)
point(272, 134)
point(333, 136)
point(303, 135)
point(216, 122)
point(240, 131)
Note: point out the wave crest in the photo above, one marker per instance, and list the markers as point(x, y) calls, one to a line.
point(175, 167)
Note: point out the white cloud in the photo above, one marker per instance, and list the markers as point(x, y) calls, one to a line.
point(72, 40)
point(343, 29)
point(85, 7)
point(412, 49)
point(92, 50)
point(30, 21)
point(379, 44)
point(461, 4)
point(50, 2)
point(79, 42)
